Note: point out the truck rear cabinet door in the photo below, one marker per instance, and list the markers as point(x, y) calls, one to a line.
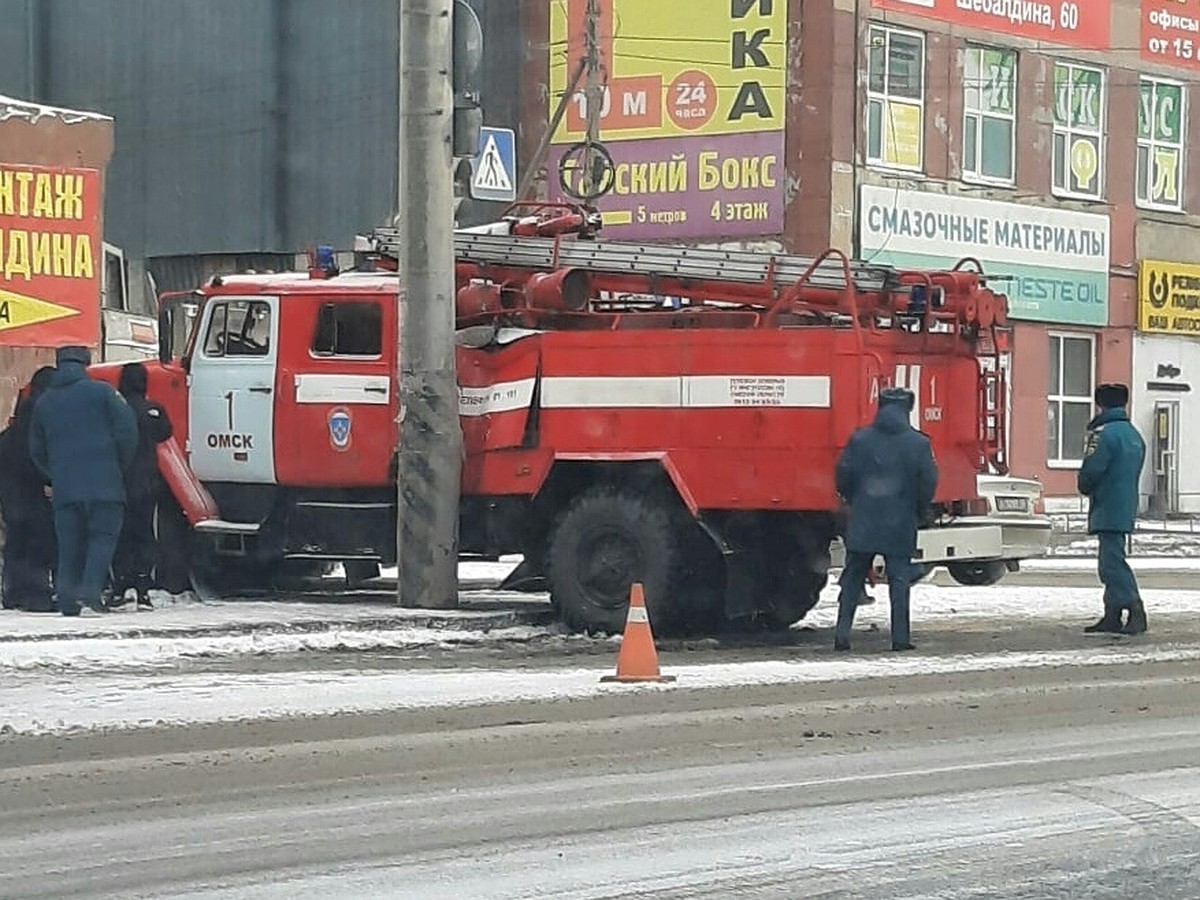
point(337, 424)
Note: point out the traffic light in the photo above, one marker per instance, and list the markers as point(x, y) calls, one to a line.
point(468, 55)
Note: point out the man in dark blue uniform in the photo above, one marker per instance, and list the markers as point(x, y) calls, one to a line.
point(888, 477)
point(83, 439)
point(1109, 478)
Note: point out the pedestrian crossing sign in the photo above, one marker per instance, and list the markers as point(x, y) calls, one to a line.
point(494, 168)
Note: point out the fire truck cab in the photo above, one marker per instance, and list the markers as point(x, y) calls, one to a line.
point(630, 413)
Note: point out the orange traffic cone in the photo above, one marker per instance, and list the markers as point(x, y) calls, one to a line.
point(638, 660)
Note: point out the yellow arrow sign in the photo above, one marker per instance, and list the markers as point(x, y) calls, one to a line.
point(17, 311)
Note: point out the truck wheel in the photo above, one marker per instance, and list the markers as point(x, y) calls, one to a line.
point(216, 577)
point(359, 570)
point(977, 574)
point(607, 539)
point(794, 586)
point(785, 609)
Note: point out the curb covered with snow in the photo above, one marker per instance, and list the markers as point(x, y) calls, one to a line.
point(109, 654)
point(482, 610)
point(63, 705)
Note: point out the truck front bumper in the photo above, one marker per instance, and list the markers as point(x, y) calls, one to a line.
point(980, 539)
point(1021, 537)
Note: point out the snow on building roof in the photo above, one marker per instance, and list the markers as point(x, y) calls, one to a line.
point(11, 108)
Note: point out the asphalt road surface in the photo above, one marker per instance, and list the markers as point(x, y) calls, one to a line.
point(1069, 782)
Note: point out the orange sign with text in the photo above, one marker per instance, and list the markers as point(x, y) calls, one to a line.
point(50, 256)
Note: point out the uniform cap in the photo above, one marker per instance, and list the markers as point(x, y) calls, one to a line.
point(73, 354)
point(1111, 396)
point(898, 395)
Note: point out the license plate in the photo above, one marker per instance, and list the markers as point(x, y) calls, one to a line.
point(1012, 504)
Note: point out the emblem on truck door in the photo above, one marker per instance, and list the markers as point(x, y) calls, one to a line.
point(339, 428)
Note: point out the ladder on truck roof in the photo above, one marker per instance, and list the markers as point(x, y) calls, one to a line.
point(664, 260)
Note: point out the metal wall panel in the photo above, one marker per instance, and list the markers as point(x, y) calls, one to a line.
point(338, 154)
point(242, 126)
point(17, 34)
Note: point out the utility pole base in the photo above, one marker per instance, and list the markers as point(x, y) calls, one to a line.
point(429, 472)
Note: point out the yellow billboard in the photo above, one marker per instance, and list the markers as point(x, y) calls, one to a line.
point(1169, 298)
point(673, 68)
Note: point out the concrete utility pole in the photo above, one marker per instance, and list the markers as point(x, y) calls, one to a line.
point(593, 88)
point(539, 155)
point(430, 453)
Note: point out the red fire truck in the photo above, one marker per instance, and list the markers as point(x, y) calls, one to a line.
point(662, 414)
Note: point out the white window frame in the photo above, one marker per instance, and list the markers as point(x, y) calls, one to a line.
point(1152, 142)
point(1101, 135)
point(884, 98)
point(975, 175)
point(1061, 461)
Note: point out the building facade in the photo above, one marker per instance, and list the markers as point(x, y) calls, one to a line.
point(1047, 140)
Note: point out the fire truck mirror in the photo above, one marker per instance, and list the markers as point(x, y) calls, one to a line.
point(166, 334)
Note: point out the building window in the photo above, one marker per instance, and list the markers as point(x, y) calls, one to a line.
point(349, 329)
point(989, 117)
point(1162, 121)
point(896, 98)
point(1079, 106)
point(1072, 368)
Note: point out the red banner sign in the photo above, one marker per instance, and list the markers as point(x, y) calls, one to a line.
point(1171, 32)
point(50, 256)
point(1074, 23)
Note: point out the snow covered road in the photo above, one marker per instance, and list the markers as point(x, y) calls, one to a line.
point(1059, 781)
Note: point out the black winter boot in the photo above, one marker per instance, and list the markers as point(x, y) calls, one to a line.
point(1137, 619)
point(1110, 623)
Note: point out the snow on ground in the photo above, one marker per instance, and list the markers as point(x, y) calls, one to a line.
point(1145, 544)
point(194, 631)
point(933, 603)
point(109, 654)
point(187, 615)
point(58, 704)
point(1087, 563)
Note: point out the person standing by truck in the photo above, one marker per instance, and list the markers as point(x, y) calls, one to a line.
point(29, 544)
point(83, 438)
point(137, 554)
point(887, 476)
point(1109, 477)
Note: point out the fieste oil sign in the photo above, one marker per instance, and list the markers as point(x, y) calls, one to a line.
point(1073, 23)
point(50, 256)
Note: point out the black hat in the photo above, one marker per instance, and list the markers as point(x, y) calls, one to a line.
point(898, 395)
point(1111, 396)
point(73, 354)
point(133, 380)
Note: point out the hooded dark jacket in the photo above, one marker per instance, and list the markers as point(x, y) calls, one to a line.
point(22, 483)
point(142, 479)
point(888, 477)
point(83, 436)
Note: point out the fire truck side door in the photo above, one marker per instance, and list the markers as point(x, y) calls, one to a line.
point(231, 396)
